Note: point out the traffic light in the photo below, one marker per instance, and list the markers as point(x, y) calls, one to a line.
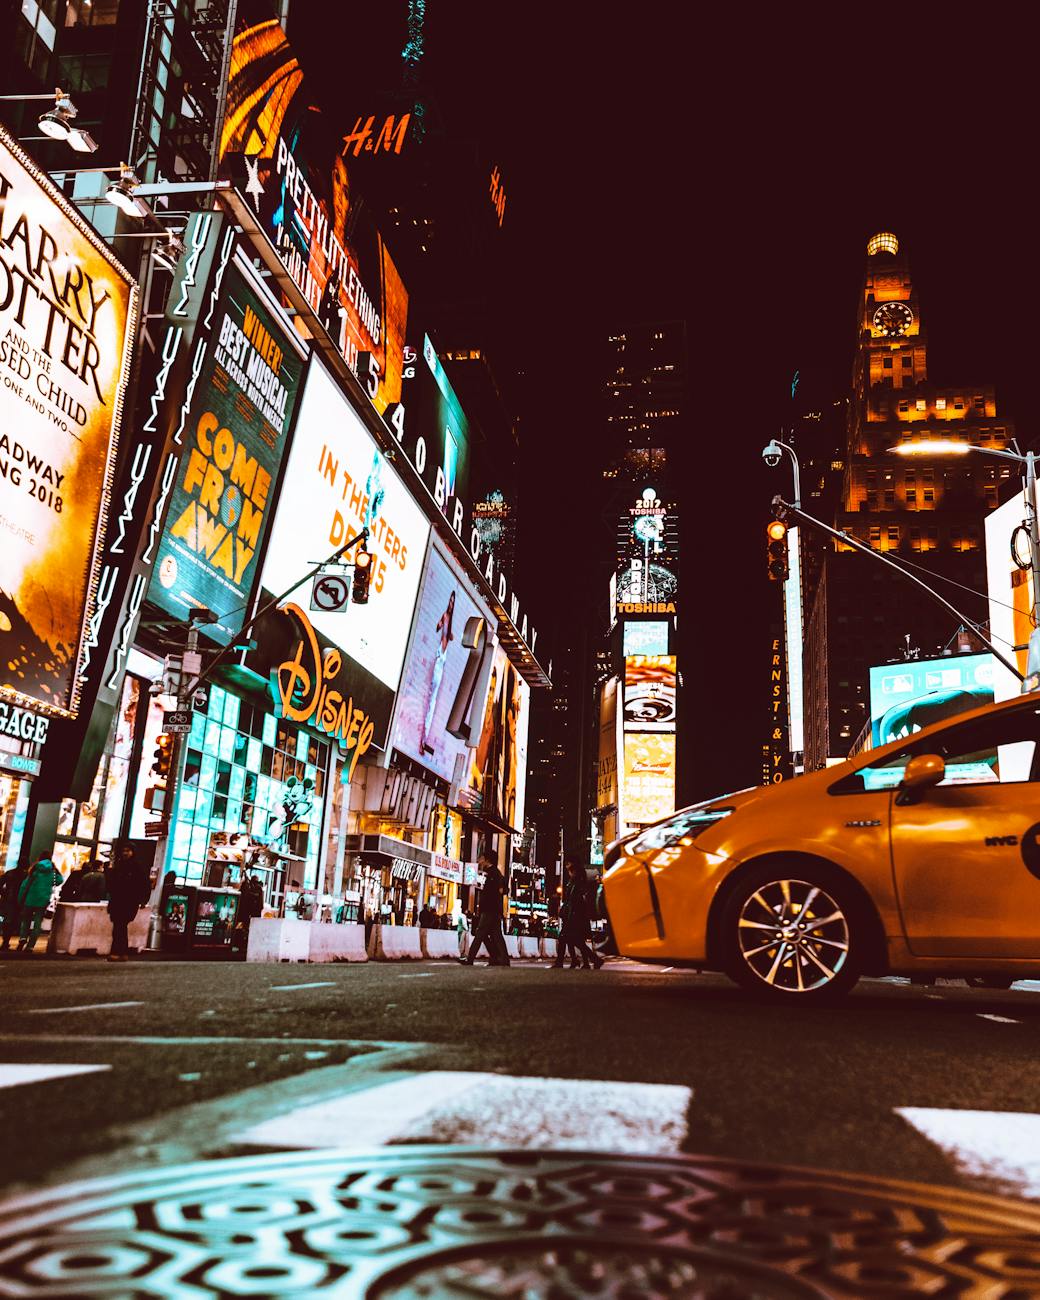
point(776, 532)
point(163, 755)
point(362, 577)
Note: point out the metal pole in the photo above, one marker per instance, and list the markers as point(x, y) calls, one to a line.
point(797, 472)
point(1029, 486)
point(848, 540)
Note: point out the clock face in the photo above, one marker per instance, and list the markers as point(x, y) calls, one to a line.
point(893, 318)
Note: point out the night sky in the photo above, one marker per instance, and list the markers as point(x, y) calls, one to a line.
point(663, 161)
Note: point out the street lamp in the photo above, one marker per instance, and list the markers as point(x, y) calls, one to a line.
point(58, 123)
point(947, 447)
point(772, 454)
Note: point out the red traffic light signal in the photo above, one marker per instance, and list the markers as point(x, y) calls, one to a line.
point(776, 550)
point(362, 577)
point(162, 757)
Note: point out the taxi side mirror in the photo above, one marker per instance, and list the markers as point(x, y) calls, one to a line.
point(922, 772)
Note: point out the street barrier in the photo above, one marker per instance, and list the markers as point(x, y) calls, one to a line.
point(439, 943)
point(393, 942)
point(278, 938)
point(513, 946)
point(86, 927)
point(344, 942)
point(547, 948)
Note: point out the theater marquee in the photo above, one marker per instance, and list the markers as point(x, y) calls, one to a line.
point(67, 316)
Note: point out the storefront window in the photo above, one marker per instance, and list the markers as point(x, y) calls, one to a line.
point(86, 830)
point(14, 800)
point(249, 773)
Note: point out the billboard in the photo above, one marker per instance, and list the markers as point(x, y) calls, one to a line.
point(648, 780)
point(445, 639)
point(497, 781)
point(432, 427)
point(607, 756)
point(1010, 589)
point(293, 167)
point(649, 703)
point(644, 637)
point(235, 437)
point(68, 312)
point(905, 697)
point(337, 482)
point(648, 556)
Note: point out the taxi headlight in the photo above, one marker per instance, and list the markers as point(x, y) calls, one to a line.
point(682, 828)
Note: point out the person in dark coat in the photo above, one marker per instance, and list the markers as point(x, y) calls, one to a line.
point(251, 900)
point(489, 916)
point(576, 930)
point(10, 910)
point(128, 890)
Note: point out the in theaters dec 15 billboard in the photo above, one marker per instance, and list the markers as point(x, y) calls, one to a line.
point(291, 162)
point(68, 312)
point(445, 640)
point(1010, 589)
point(235, 437)
point(337, 482)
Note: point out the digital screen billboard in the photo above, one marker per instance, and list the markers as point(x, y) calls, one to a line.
point(68, 313)
point(431, 426)
point(648, 556)
point(906, 697)
point(648, 637)
point(648, 779)
point(607, 756)
point(497, 779)
point(234, 440)
point(649, 703)
point(291, 162)
point(443, 644)
point(1010, 589)
point(337, 482)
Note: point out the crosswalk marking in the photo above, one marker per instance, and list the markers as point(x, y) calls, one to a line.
point(311, 984)
point(1001, 1147)
point(450, 1106)
point(1000, 1020)
point(87, 1006)
point(13, 1076)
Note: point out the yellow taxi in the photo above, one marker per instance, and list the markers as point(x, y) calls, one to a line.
point(919, 858)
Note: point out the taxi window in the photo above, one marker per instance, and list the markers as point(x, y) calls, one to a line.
point(999, 748)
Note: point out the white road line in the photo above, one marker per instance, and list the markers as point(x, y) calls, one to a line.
point(1002, 1147)
point(312, 984)
point(87, 1006)
point(447, 1106)
point(1000, 1020)
point(12, 1076)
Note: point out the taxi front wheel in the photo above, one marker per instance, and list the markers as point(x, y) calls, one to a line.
point(792, 934)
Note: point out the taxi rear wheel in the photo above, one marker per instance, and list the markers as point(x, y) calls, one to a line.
point(793, 934)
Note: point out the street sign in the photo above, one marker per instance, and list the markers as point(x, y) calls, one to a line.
point(179, 721)
point(331, 592)
point(155, 830)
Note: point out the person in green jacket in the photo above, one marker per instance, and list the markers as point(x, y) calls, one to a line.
point(34, 898)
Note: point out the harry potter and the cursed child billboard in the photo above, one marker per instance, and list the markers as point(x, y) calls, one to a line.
point(68, 312)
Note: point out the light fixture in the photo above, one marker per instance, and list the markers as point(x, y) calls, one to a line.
point(57, 123)
point(932, 447)
point(168, 250)
point(120, 194)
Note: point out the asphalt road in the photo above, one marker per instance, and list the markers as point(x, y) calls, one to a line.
point(202, 1052)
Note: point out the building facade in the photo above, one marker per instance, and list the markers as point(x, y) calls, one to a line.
point(926, 510)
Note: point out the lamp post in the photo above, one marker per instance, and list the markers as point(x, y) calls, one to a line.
point(946, 447)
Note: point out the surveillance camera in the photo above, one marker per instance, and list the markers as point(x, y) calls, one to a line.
point(772, 454)
point(156, 687)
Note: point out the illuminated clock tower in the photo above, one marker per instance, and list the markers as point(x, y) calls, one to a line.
point(926, 509)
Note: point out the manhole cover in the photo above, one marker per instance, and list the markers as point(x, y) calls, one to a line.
point(455, 1222)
